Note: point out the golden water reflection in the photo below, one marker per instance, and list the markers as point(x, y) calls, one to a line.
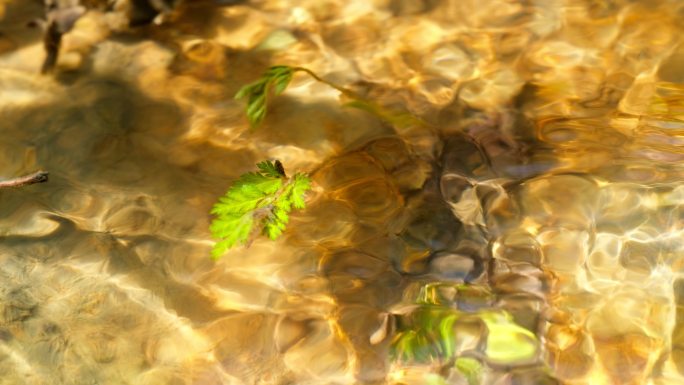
point(542, 197)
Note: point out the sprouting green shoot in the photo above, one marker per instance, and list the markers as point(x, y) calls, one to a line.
point(258, 202)
point(275, 80)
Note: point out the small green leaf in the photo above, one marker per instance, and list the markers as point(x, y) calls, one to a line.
point(271, 169)
point(233, 230)
point(258, 202)
point(281, 82)
point(300, 186)
point(292, 195)
point(275, 80)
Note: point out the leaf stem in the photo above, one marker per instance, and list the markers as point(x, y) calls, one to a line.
point(373, 107)
point(345, 91)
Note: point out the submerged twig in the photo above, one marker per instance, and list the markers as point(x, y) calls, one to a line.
point(52, 40)
point(36, 177)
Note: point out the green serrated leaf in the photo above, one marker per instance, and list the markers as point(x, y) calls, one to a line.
point(232, 230)
point(258, 202)
point(302, 183)
point(274, 170)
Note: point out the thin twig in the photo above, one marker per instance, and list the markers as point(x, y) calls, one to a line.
point(36, 177)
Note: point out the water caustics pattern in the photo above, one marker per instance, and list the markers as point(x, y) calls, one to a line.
point(528, 228)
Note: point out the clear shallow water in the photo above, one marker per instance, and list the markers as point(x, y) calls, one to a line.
point(546, 187)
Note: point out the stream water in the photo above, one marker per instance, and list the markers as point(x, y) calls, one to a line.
point(528, 229)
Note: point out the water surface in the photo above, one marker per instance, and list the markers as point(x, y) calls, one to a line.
point(539, 205)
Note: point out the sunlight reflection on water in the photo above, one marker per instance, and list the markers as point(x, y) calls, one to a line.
point(543, 195)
